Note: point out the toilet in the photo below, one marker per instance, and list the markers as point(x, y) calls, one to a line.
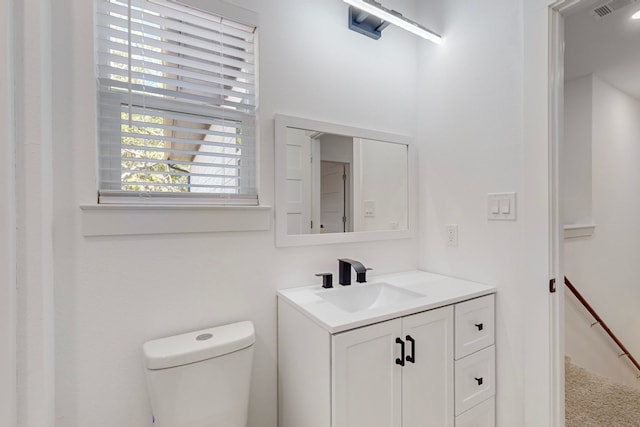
point(201, 378)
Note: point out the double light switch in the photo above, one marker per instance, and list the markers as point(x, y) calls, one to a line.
point(502, 206)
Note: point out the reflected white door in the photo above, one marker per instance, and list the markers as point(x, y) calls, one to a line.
point(298, 184)
point(333, 212)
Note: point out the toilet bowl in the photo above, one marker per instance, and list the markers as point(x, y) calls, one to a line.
point(201, 378)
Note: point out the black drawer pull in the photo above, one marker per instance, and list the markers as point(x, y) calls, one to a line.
point(480, 326)
point(400, 361)
point(479, 380)
point(411, 358)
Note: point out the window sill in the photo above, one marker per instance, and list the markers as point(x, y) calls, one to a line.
point(573, 231)
point(122, 220)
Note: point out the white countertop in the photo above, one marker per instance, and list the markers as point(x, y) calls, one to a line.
point(438, 291)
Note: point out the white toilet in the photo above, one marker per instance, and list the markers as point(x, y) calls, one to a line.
point(202, 378)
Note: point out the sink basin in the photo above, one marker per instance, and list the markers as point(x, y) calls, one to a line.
point(367, 296)
point(382, 298)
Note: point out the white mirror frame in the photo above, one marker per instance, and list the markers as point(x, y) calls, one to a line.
point(282, 122)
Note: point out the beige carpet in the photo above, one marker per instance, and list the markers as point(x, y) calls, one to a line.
point(595, 401)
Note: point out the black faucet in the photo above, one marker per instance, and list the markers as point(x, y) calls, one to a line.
point(344, 271)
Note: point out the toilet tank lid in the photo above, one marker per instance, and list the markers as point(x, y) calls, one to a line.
point(198, 345)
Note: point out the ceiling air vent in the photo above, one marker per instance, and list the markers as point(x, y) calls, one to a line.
point(608, 7)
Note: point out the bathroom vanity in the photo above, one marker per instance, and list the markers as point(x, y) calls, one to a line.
point(404, 350)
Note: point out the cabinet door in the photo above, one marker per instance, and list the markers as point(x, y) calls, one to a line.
point(474, 325)
point(366, 386)
point(427, 382)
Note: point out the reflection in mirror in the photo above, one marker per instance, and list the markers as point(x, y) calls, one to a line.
point(341, 184)
point(344, 183)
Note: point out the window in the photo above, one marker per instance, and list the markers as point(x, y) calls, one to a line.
point(177, 105)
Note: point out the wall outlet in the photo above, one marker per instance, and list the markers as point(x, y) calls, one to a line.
point(369, 208)
point(452, 234)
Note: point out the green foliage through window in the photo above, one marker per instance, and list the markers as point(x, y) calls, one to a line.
point(145, 169)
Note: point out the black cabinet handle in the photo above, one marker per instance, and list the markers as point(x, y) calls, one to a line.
point(479, 380)
point(480, 326)
point(400, 361)
point(411, 358)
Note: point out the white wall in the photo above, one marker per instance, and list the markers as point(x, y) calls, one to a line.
point(34, 213)
point(480, 133)
point(336, 148)
point(114, 293)
point(576, 151)
point(383, 176)
point(604, 267)
point(7, 223)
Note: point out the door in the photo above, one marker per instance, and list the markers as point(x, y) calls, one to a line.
point(366, 381)
point(298, 178)
point(427, 382)
point(543, 362)
point(333, 197)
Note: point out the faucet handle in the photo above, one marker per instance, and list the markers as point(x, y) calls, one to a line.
point(327, 280)
point(361, 276)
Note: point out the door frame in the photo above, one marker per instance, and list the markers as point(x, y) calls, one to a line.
point(556, 119)
point(543, 312)
point(8, 320)
point(557, 12)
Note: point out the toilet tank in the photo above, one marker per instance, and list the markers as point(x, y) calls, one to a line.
point(201, 378)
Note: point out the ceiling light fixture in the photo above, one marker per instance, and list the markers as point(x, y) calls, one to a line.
point(370, 18)
point(636, 15)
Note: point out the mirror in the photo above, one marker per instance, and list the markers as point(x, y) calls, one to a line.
point(338, 183)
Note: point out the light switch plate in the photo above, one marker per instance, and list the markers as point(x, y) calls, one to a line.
point(369, 208)
point(505, 204)
point(452, 234)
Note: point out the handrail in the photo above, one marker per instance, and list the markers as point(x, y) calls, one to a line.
point(601, 322)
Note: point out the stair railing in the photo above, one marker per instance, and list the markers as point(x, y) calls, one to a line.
point(599, 321)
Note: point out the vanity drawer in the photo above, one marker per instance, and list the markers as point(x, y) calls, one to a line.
point(482, 415)
point(474, 324)
point(474, 379)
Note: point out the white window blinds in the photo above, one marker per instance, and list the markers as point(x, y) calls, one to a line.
point(177, 105)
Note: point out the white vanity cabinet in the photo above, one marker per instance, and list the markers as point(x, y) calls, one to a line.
point(396, 367)
point(397, 373)
point(475, 362)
